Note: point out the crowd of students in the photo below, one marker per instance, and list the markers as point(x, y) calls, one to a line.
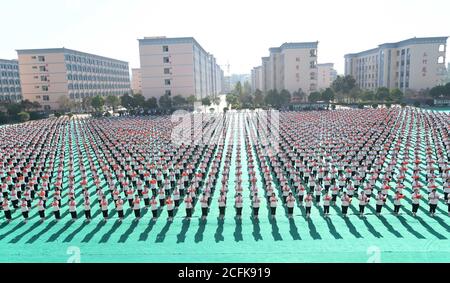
point(313, 159)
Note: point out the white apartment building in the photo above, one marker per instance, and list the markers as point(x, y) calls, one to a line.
point(10, 89)
point(49, 74)
point(178, 66)
point(136, 80)
point(415, 63)
point(292, 66)
point(326, 74)
point(257, 78)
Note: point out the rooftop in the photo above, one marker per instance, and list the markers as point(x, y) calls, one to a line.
point(64, 50)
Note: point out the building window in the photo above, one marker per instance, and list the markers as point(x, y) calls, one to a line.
point(42, 68)
point(33, 57)
point(46, 107)
point(43, 78)
point(297, 67)
point(45, 98)
point(41, 58)
point(312, 64)
point(34, 67)
point(168, 92)
point(165, 48)
point(44, 88)
point(441, 48)
point(441, 60)
point(297, 59)
point(166, 71)
point(425, 61)
point(312, 52)
point(167, 82)
point(166, 59)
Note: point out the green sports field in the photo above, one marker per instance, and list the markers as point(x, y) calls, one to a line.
point(387, 238)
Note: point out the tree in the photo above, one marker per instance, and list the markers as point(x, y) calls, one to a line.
point(314, 96)
point(438, 91)
point(232, 99)
point(98, 102)
point(206, 101)
point(355, 94)
point(272, 98)
point(151, 103)
point(247, 88)
point(13, 109)
point(128, 101)
point(344, 85)
point(447, 89)
point(191, 99)
point(23, 116)
point(382, 93)
point(178, 100)
point(112, 101)
point(368, 95)
point(246, 100)
point(396, 95)
point(299, 95)
point(139, 100)
point(64, 103)
point(3, 118)
point(258, 99)
point(165, 102)
point(86, 103)
point(328, 95)
point(238, 89)
point(216, 100)
point(27, 105)
point(285, 97)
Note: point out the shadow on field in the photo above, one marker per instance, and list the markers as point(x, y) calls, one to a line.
point(219, 231)
point(256, 229)
point(91, 234)
point(293, 230)
point(58, 233)
point(201, 228)
point(162, 235)
point(17, 238)
point(42, 232)
point(124, 236)
point(111, 231)
point(182, 236)
point(144, 234)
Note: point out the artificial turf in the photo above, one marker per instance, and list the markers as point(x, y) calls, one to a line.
point(387, 238)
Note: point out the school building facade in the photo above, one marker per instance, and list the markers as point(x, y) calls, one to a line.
point(415, 63)
point(49, 74)
point(10, 87)
point(178, 66)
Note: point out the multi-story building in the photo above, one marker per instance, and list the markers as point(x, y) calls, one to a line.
point(415, 63)
point(292, 66)
point(226, 86)
point(326, 74)
point(448, 74)
point(257, 78)
point(178, 66)
point(265, 74)
point(136, 80)
point(10, 89)
point(49, 74)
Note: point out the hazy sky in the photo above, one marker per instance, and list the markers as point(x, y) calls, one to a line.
point(235, 31)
